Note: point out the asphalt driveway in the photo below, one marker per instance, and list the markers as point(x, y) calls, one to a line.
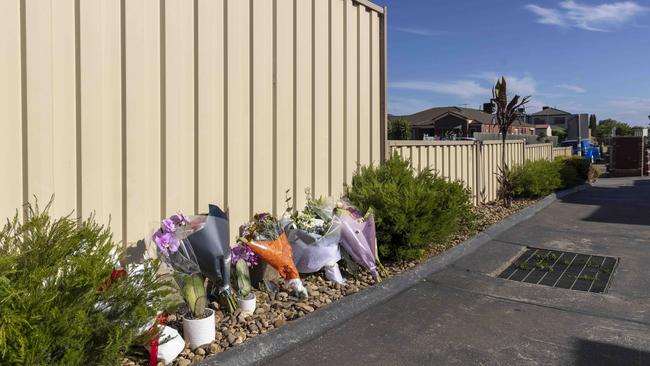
point(464, 315)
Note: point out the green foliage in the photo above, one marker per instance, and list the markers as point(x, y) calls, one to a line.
point(56, 306)
point(593, 122)
point(243, 278)
point(573, 171)
point(560, 133)
point(195, 295)
point(536, 179)
point(411, 210)
point(399, 129)
point(605, 128)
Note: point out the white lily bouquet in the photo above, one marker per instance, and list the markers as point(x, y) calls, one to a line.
point(314, 234)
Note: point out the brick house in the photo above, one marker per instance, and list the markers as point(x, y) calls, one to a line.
point(443, 122)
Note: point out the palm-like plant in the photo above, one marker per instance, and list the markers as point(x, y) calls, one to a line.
point(507, 113)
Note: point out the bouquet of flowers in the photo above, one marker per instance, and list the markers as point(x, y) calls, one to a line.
point(265, 238)
point(358, 237)
point(244, 258)
point(178, 255)
point(209, 237)
point(314, 234)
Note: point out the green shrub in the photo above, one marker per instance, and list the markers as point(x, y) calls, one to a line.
point(55, 305)
point(536, 179)
point(399, 129)
point(411, 211)
point(574, 170)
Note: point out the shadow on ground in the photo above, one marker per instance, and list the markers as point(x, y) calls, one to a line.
point(623, 204)
point(593, 353)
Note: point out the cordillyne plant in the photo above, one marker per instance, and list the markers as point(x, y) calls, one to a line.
point(60, 303)
point(412, 210)
point(507, 112)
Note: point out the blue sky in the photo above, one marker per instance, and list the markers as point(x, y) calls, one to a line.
point(579, 56)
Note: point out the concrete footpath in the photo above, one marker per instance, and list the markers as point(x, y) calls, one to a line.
point(464, 315)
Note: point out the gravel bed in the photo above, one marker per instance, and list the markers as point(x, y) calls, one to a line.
point(274, 312)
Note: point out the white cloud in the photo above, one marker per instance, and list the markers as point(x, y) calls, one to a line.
point(523, 86)
point(461, 88)
point(572, 88)
point(420, 31)
point(598, 18)
point(401, 106)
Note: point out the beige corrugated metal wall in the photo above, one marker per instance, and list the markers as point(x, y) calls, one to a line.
point(476, 164)
point(138, 109)
point(539, 152)
point(562, 151)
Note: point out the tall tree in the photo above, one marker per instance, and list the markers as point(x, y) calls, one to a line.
point(593, 123)
point(611, 127)
point(506, 114)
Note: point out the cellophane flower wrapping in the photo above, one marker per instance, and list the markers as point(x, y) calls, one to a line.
point(264, 236)
point(209, 237)
point(314, 234)
point(358, 236)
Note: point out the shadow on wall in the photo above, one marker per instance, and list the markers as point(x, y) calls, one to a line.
point(594, 353)
point(628, 204)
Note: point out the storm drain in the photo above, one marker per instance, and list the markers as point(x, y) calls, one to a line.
point(573, 271)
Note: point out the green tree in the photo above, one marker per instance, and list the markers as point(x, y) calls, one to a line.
point(560, 133)
point(399, 129)
point(610, 126)
point(593, 123)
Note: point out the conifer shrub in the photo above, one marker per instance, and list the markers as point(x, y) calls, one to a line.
point(57, 305)
point(412, 210)
point(535, 179)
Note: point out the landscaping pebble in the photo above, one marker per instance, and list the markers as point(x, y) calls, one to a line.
point(274, 312)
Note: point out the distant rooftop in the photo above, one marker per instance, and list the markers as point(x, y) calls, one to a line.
point(427, 117)
point(548, 111)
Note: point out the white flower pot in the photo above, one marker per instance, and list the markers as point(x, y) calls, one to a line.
point(247, 305)
point(199, 331)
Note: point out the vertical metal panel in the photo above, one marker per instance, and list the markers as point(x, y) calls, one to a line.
point(51, 95)
point(352, 90)
point(142, 48)
point(284, 102)
point(263, 108)
point(211, 160)
point(11, 148)
point(375, 82)
point(304, 89)
point(364, 82)
point(179, 106)
point(321, 98)
point(238, 107)
point(101, 150)
point(337, 64)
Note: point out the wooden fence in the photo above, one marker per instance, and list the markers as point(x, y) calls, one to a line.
point(136, 109)
point(476, 164)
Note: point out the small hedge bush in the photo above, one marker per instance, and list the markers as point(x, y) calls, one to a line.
point(574, 170)
point(535, 179)
point(411, 210)
point(539, 178)
point(56, 307)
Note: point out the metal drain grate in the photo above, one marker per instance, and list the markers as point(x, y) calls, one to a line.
point(567, 270)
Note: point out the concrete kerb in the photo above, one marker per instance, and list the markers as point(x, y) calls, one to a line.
point(271, 345)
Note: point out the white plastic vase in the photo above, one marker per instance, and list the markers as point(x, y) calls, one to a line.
point(172, 347)
point(247, 305)
point(199, 331)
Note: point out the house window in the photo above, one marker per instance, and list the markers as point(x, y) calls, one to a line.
point(558, 120)
point(539, 121)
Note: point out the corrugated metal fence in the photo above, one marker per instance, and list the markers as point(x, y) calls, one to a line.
point(476, 164)
point(138, 109)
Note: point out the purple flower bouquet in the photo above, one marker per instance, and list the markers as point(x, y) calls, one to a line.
point(359, 238)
